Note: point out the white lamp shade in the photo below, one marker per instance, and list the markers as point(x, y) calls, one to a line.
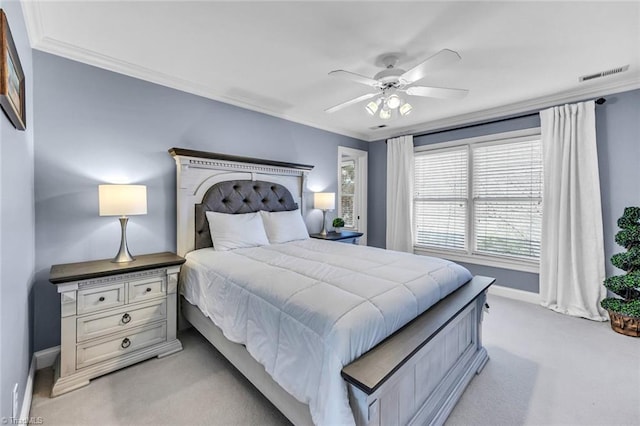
point(372, 106)
point(324, 200)
point(393, 101)
point(406, 108)
point(122, 200)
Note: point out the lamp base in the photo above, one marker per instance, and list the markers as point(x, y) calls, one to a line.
point(324, 220)
point(123, 254)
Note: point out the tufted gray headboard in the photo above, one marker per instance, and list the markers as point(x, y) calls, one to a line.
point(202, 177)
point(239, 196)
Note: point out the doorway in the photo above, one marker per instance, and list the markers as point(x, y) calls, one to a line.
point(352, 190)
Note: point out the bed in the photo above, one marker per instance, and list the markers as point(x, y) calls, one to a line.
point(330, 333)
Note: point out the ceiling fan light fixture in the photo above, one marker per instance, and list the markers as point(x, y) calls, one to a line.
point(405, 109)
point(392, 84)
point(393, 101)
point(372, 107)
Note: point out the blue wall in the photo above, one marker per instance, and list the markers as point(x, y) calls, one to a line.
point(96, 126)
point(17, 252)
point(618, 135)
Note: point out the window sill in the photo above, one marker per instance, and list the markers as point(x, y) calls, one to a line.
point(476, 259)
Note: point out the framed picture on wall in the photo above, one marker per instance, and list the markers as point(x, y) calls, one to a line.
point(12, 96)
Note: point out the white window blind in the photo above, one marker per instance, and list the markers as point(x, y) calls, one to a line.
point(480, 198)
point(507, 198)
point(440, 201)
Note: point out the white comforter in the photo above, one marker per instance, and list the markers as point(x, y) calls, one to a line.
point(304, 309)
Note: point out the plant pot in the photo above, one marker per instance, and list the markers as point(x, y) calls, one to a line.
point(338, 229)
point(623, 324)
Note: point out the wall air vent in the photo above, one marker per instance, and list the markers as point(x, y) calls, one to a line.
point(380, 126)
point(604, 73)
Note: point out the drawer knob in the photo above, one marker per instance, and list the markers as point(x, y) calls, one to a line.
point(125, 343)
point(101, 299)
point(148, 289)
point(126, 318)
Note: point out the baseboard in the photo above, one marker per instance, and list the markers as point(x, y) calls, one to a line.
point(46, 357)
point(28, 393)
point(41, 359)
point(513, 293)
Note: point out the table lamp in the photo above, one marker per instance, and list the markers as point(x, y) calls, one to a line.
point(324, 201)
point(122, 200)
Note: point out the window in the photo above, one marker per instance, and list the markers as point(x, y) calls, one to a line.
point(480, 198)
point(440, 203)
point(347, 192)
point(352, 189)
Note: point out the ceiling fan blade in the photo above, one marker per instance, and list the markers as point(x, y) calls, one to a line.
point(356, 77)
point(351, 102)
point(432, 63)
point(437, 92)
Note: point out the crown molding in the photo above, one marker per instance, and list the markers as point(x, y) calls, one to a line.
point(33, 21)
point(69, 51)
point(39, 41)
point(531, 105)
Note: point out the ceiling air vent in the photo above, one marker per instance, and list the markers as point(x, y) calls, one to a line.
point(380, 126)
point(604, 73)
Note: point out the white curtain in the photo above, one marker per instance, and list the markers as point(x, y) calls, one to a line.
point(572, 252)
point(400, 193)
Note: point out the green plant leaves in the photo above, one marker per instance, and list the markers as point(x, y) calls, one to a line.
point(628, 261)
point(629, 237)
point(626, 286)
point(619, 284)
point(630, 217)
point(338, 222)
point(629, 308)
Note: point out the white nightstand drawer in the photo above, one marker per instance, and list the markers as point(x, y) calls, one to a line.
point(97, 299)
point(105, 323)
point(146, 289)
point(113, 315)
point(92, 353)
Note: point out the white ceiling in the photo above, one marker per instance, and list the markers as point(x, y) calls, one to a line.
point(274, 57)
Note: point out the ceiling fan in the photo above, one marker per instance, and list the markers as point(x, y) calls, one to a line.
point(393, 81)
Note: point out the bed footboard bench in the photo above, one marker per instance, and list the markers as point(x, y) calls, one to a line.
point(417, 375)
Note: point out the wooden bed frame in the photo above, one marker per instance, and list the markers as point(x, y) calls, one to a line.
point(415, 376)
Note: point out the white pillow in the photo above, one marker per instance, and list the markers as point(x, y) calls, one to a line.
point(232, 231)
point(284, 226)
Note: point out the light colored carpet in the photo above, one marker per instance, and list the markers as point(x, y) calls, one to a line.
point(545, 369)
point(196, 386)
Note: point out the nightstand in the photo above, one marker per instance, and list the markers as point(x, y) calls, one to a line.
point(342, 237)
point(114, 315)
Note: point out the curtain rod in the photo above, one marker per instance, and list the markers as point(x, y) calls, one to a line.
point(598, 101)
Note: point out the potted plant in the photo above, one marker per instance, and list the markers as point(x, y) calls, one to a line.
point(624, 310)
point(338, 223)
